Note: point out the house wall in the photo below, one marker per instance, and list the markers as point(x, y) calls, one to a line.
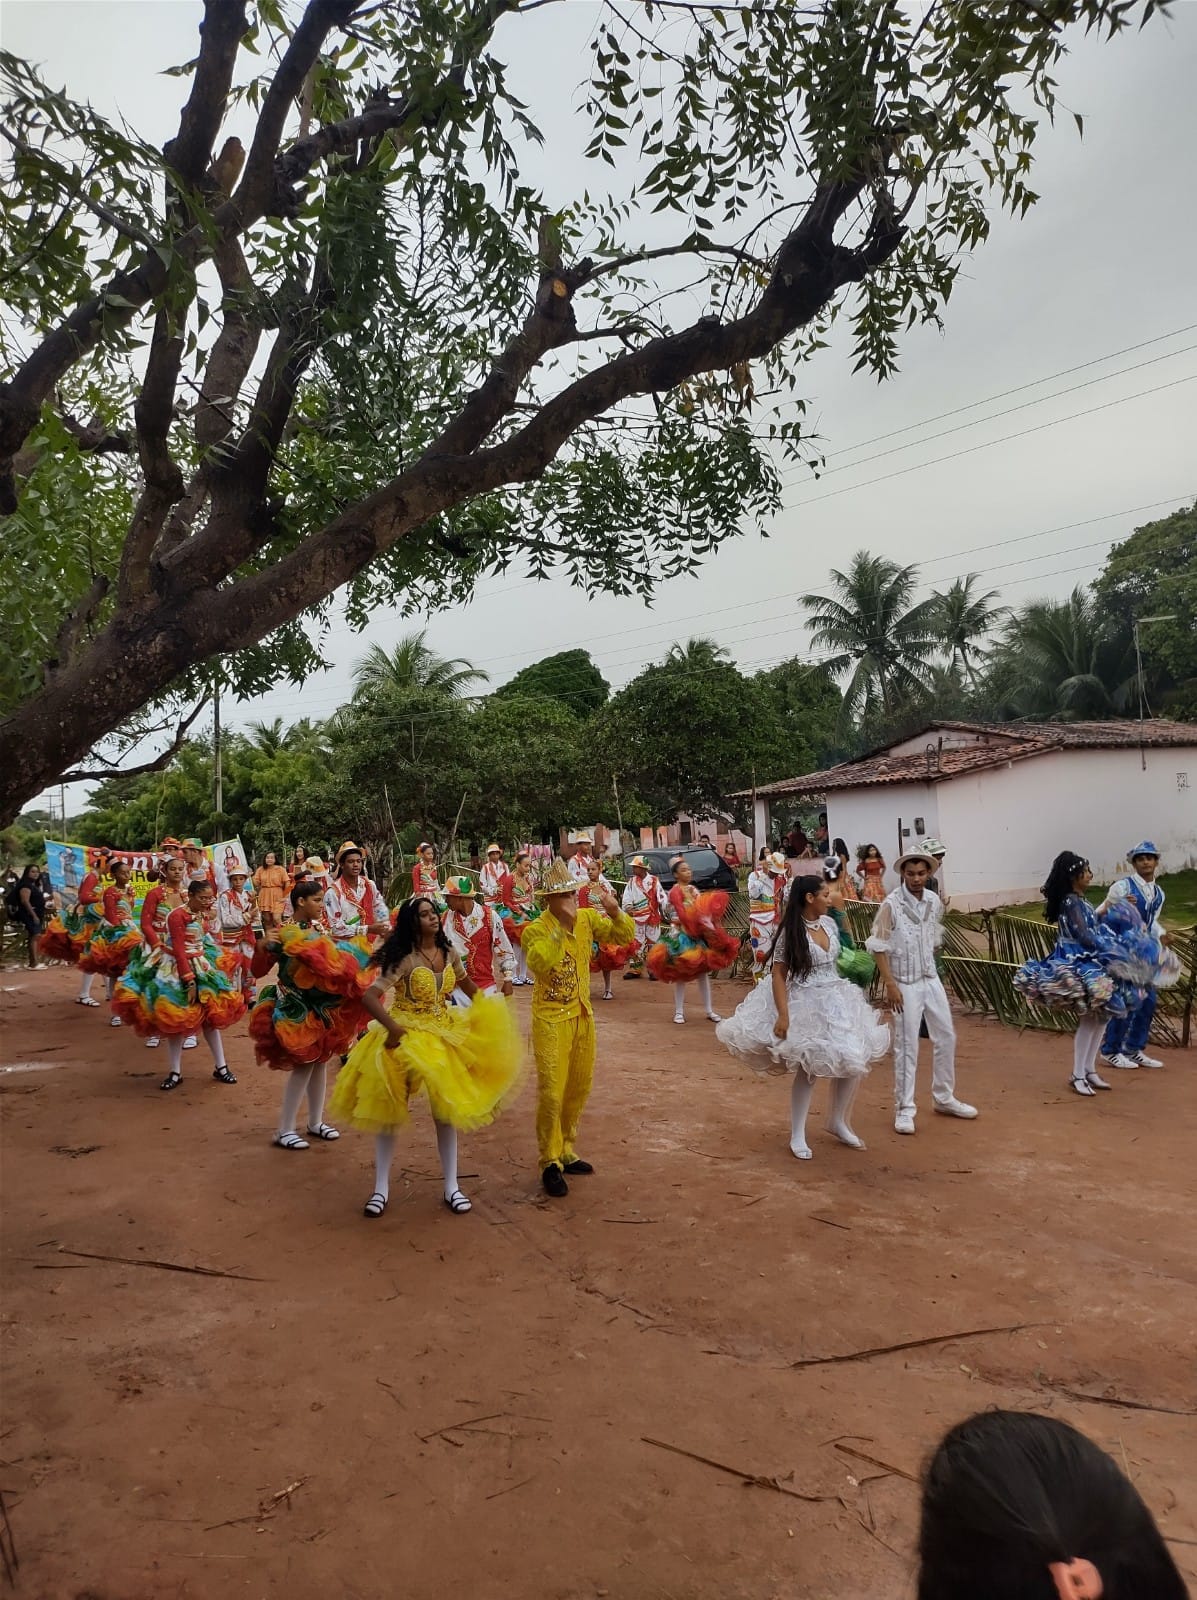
point(1003, 827)
point(885, 815)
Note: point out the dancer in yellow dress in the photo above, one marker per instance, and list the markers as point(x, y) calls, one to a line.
point(558, 947)
point(466, 1060)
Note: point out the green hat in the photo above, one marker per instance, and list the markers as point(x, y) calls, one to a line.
point(460, 885)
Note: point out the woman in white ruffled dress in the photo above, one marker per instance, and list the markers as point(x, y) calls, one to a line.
point(808, 1020)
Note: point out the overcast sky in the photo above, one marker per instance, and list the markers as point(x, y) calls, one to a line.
point(1104, 263)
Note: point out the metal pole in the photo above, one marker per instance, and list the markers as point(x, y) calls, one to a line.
point(217, 772)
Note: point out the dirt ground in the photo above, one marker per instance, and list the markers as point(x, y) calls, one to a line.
point(431, 1405)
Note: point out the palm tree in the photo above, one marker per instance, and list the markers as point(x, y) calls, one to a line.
point(697, 655)
point(876, 634)
point(1063, 658)
point(267, 737)
point(964, 619)
point(412, 665)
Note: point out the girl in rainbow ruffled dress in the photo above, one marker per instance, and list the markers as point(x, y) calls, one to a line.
point(184, 985)
point(695, 944)
point(311, 1013)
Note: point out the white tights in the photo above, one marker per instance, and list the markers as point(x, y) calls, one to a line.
point(521, 964)
point(703, 984)
point(174, 1049)
point(384, 1154)
point(313, 1078)
point(843, 1092)
point(1085, 1044)
point(85, 982)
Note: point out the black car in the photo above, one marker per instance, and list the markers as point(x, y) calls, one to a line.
point(710, 870)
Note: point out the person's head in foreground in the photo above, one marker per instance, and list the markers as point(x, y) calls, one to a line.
point(1023, 1507)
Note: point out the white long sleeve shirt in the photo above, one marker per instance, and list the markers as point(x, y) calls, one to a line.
point(1153, 899)
point(909, 930)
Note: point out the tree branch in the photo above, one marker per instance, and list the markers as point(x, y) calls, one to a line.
point(99, 773)
point(690, 248)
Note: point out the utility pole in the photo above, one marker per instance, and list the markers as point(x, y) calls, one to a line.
point(217, 773)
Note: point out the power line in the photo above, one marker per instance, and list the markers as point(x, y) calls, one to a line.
point(1005, 439)
point(1021, 388)
point(978, 422)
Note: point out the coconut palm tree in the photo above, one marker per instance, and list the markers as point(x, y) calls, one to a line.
point(965, 619)
point(267, 737)
point(875, 634)
point(697, 655)
point(1064, 658)
point(412, 665)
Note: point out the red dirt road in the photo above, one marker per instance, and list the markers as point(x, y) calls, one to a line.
point(461, 1405)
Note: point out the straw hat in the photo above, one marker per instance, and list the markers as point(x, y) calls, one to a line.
point(494, 849)
point(639, 861)
point(461, 885)
point(346, 848)
point(237, 871)
point(314, 864)
point(193, 844)
point(933, 848)
point(583, 838)
point(920, 854)
point(777, 861)
point(557, 880)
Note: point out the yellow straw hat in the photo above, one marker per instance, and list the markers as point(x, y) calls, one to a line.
point(558, 880)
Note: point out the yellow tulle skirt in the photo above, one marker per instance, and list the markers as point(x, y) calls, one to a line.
point(468, 1061)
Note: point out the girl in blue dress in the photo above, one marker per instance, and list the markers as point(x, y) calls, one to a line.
point(1095, 969)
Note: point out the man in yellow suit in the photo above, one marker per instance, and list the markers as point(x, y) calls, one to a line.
point(557, 946)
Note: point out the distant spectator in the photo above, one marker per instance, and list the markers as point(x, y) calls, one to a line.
point(732, 856)
point(1018, 1506)
point(25, 902)
point(821, 845)
point(296, 869)
point(272, 885)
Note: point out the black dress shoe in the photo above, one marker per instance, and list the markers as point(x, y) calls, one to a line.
point(554, 1181)
point(578, 1168)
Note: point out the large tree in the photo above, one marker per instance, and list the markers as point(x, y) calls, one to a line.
point(570, 677)
point(365, 355)
point(1153, 575)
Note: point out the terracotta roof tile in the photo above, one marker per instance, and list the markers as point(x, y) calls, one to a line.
point(1005, 742)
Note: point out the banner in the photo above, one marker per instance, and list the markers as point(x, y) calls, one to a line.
point(68, 864)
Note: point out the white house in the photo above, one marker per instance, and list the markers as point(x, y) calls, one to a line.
point(1006, 797)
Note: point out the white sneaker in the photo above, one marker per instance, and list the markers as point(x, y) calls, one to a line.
point(678, 1017)
point(955, 1108)
point(1142, 1060)
point(904, 1122)
point(114, 1022)
point(190, 1042)
point(152, 1042)
point(1121, 1061)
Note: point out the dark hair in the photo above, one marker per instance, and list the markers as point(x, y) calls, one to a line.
point(25, 878)
point(1059, 883)
point(198, 885)
point(1007, 1492)
point(841, 849)
point(303, 889)
point(405, 935)
point(862, 851)
point(798, 956)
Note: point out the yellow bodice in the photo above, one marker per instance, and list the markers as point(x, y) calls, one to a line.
point(421, 992)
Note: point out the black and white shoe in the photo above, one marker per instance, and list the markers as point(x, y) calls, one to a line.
point(1082, 1086)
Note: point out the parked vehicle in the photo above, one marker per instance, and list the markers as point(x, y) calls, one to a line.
point(709, 868)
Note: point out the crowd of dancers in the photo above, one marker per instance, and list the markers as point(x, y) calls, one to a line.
point(413, 1002)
